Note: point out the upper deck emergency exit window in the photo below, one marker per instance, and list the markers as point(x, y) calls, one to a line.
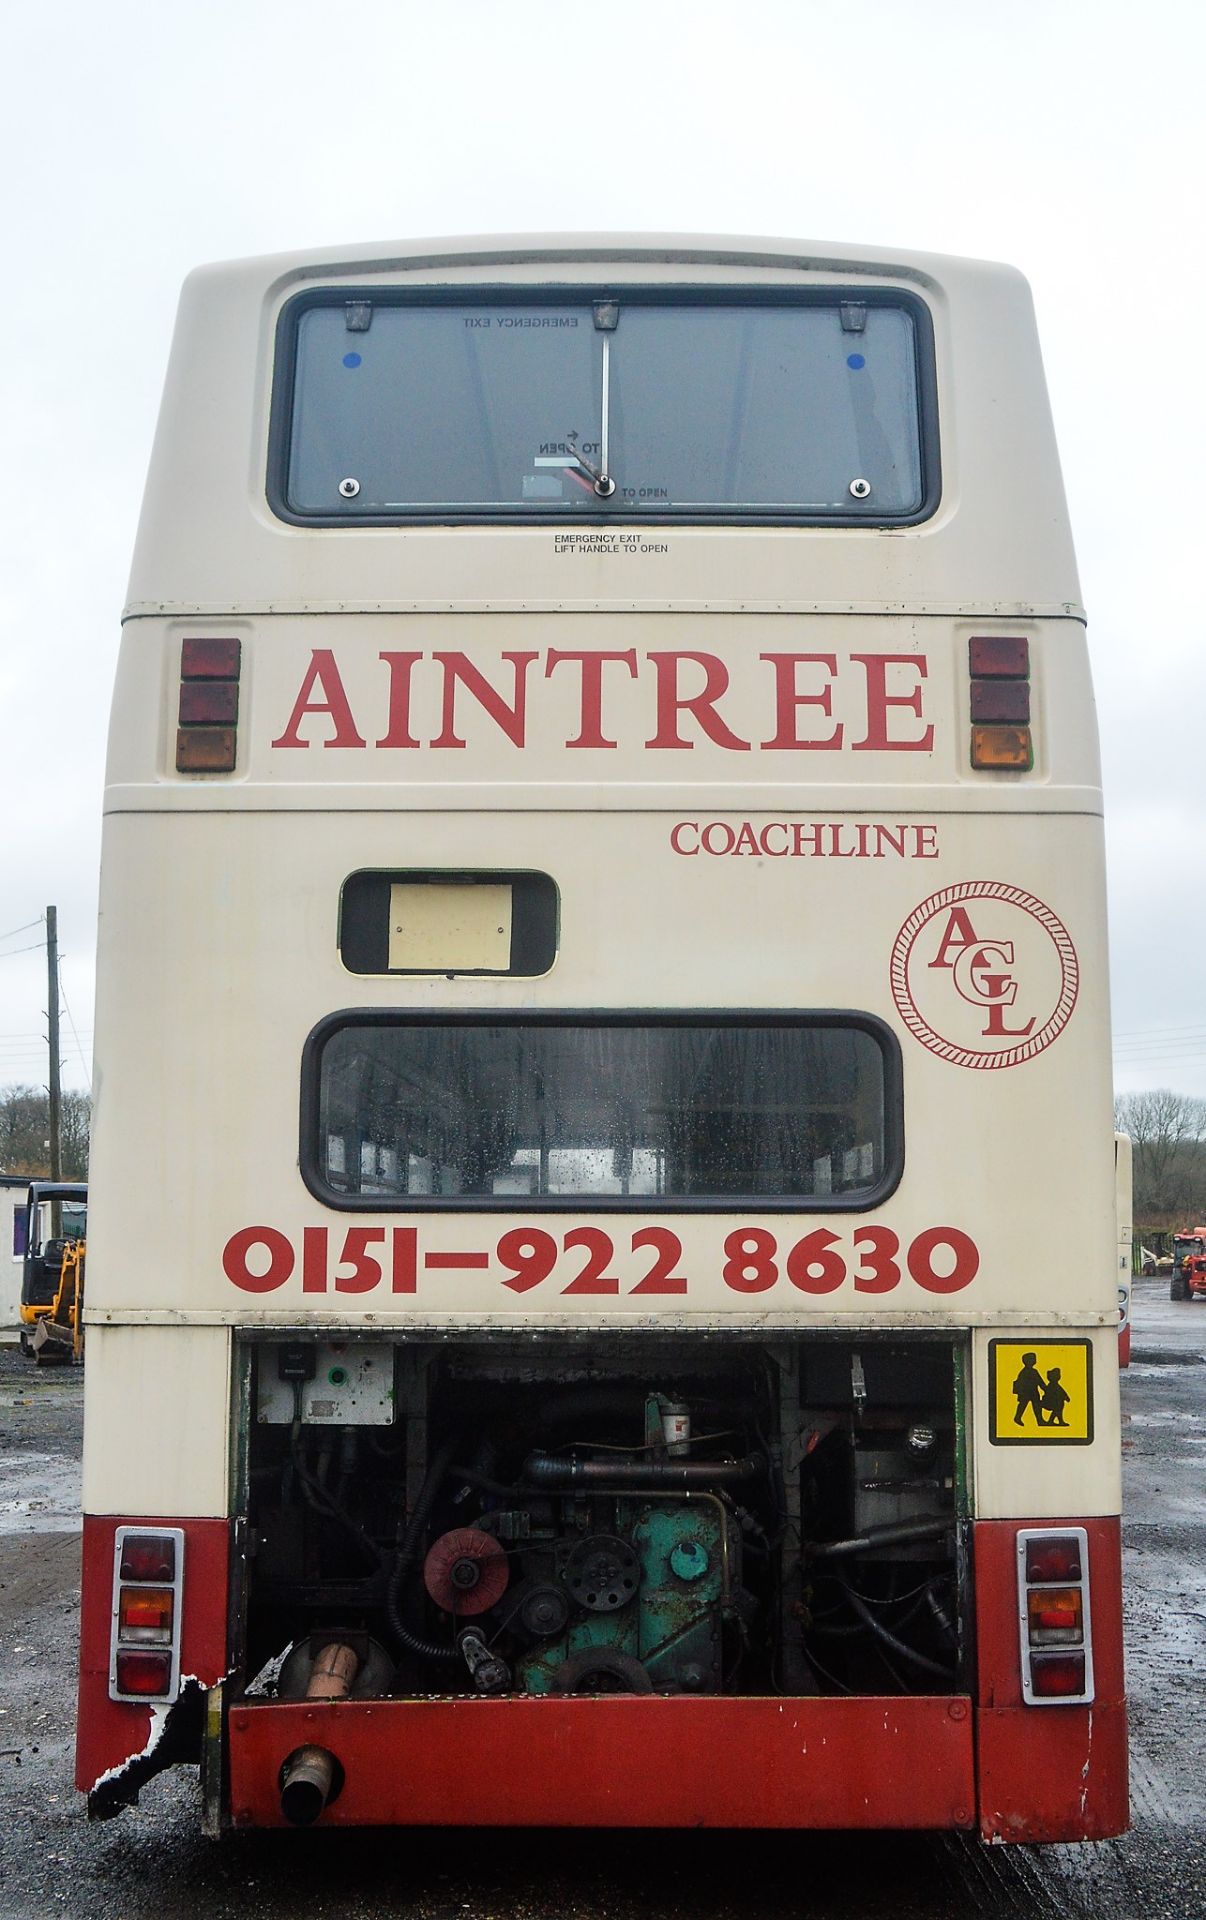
point(582, 407)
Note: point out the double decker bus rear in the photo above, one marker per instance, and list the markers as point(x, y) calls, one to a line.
point(603, 938)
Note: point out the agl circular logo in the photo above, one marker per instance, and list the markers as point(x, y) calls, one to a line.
point(984, 974)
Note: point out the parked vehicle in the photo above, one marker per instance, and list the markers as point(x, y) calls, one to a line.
point(1189, 1265)
point(56, 1220)
point(598, 1023)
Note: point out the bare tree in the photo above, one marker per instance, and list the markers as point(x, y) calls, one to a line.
point(25, 1132)
point(1167, 1130)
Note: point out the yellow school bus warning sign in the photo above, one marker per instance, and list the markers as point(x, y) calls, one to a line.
point(1040, 1392)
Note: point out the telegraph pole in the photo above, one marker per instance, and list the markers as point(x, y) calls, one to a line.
point(52, 977)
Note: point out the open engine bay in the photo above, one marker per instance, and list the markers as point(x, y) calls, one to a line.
point(602, 1515)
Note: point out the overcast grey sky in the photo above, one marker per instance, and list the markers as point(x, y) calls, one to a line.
point(143, 136)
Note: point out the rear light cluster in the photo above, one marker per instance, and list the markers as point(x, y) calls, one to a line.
point(148, 1576)
point(209, 705)
point(999, 664)
point(1053, 1616)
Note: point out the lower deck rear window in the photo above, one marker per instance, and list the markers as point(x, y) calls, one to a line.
point(578, 1110)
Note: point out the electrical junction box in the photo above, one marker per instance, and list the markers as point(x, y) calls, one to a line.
point(352, 1386)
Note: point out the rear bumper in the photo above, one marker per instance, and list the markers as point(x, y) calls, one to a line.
point(618, 1762)
point(983, 1761)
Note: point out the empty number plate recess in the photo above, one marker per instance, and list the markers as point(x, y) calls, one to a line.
point(412, 921)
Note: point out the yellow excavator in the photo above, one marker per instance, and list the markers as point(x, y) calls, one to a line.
point(52, 1279)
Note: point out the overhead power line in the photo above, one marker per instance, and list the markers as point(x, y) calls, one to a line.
point(71, 1023)
point(1161, 1033)
point(14, 931)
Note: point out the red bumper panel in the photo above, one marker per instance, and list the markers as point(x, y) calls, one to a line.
point(1049, 1772)
point(110, 1733)
point(617, 1762)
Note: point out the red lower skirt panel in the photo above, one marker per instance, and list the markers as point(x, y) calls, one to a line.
point(618, 1762)
point(1048, 1772)
point(112, 1733)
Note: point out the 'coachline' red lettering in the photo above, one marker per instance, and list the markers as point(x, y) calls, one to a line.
point(806, 839)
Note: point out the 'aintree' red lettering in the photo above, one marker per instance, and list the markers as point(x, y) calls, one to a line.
point(879, 700)
point(701, 706)
point(508, 719)
point(591, 664)
point(689, 690)
point(789, 699)
point(397, 729)
point(322, 674)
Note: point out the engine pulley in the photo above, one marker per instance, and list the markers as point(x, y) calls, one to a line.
point(544, 1611)
point(602, 1573)
point(466, 1571)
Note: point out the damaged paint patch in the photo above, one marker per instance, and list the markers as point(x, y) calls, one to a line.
point(158, 1720)
point(1084, 1772)
point(173, 1734)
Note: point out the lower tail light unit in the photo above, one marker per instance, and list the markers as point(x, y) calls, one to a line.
point(1054, 1617)
point(148, 1585)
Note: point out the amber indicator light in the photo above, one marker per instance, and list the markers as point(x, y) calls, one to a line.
point(1054, 1614)
point(146, 1613)
point(205, 750)
point(1007, 748)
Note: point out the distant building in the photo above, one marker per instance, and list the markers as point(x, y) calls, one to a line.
point(13, 1189)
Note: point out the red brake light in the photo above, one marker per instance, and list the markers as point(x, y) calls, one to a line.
point(998, 701)
point(999, 656)
point(204, 659)
point(144, 1673)
point(1054, 1676)
point(206, 703)
point(1055, 1558)
point(148, 1556)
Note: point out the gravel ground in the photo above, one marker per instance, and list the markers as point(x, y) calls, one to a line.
point(153, 1862)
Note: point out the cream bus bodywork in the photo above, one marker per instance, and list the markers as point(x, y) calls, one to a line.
point(760, 799)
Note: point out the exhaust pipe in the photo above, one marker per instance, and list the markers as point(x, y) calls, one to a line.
point(309, 1774)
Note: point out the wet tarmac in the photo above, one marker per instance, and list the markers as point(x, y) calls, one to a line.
point(152, 1864)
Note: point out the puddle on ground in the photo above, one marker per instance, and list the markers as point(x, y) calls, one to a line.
point(39, 1493)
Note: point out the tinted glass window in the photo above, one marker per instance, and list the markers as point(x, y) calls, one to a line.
point(597, 408)
point(525, 1110)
